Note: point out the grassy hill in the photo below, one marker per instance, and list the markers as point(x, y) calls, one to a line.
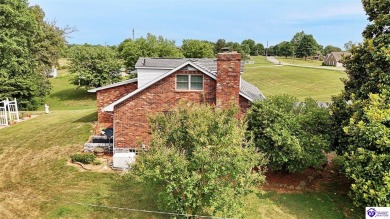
point(271, 79)
point(36, 182)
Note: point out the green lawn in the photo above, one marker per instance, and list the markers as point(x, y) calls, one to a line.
point(319, 84)
point(66, 96)
point(300, 61)
point(36, 182)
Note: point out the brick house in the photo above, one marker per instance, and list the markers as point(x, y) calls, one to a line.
point(333, 58)
point(161, 84)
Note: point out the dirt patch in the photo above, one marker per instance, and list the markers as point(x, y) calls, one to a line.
point(103, 167)
point(327, 178)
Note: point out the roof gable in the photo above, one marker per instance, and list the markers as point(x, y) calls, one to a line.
point(112, 105)
point(338, 55)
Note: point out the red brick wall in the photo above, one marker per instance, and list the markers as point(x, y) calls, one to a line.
point(228, 79)
point(108, 96)
point(244, 105)
point(131, 117)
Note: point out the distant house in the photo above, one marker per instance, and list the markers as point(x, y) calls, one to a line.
point(333, 58)
point(317, 56)
point(160, 85)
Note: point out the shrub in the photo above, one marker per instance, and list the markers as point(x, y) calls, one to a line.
point(367, 160)
point(293, 135)
point(361, 113)
point(201, 161)
point(85, 158)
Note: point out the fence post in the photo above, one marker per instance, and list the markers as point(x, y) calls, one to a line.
point(17, 111)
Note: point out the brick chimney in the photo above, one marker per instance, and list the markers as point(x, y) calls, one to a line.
point(228, 79)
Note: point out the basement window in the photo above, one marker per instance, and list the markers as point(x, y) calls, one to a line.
point(189, 82)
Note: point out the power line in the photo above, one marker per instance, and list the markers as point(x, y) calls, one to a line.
point(121, 208)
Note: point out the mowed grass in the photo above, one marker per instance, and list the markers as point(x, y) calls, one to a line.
point(67, 96)
point(36, 182)
point(319, 84)
point(300, 61)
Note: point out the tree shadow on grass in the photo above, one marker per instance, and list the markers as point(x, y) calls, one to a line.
point(128, 192)
point(73, 94)
point(92, 117)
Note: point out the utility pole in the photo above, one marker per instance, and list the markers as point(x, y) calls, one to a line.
point(133, 34)
point(266, 50)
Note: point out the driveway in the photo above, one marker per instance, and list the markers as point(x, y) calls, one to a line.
point(277, 62)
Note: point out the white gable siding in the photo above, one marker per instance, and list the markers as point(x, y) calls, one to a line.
point(146, 75)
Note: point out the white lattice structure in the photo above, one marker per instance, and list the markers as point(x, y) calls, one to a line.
point(3, 114)
point(8, 111)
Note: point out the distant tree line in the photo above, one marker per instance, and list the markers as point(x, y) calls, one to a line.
point(97, 65)
point(304, 45)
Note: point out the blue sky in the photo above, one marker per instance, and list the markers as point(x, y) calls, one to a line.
point(333, 22)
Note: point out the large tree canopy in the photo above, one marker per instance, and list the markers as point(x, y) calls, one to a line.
point(29, 46)
point(307, 46)
point(94, 66)
point(197, 49)
point(360, 113)
point(151, 46)
point(329, 48)
point(285, 49)
point(251, 44)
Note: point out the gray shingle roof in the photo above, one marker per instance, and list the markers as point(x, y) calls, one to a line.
point(208, 64)
point(114, 85)
point(251, 91)
point(338, 55)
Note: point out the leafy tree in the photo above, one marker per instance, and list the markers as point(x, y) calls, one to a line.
point(296, 40)
point(360, 113)
point(221, 43)
point(50, 43)
point(307, 46)
point(348, 45)
point(293, 135)
point(259, 49)
point(329, 48)
point(197, 49)
point(245, 51)
point(94, 66)
point(251, 44)
point(368, 157)
point(28, 47)
point(285, 49)
point(201, 161)
point(274, 50)
point(234, 46)
point(151, 46)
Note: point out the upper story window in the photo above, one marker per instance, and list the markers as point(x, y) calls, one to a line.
point(189, 82)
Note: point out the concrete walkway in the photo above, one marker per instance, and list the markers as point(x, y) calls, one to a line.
point(277, 62)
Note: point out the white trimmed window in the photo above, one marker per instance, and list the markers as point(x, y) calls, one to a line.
point(189, 82)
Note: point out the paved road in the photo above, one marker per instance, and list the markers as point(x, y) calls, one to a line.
point(277, 62)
